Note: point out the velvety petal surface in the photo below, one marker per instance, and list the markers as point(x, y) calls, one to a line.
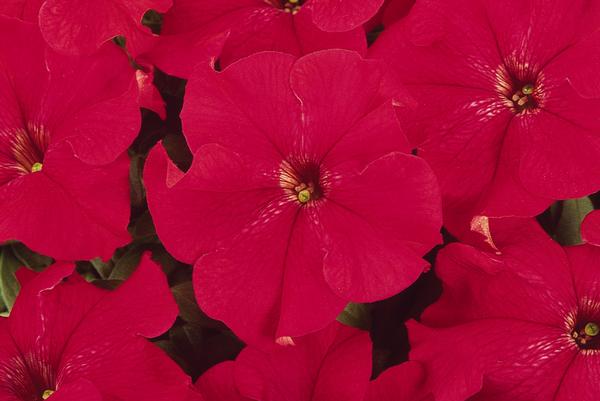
point(512, 359)
point(26, 10)
point(343, 15)
point(526, 264)
point(278, 257)
point(370, 256)
point(91, 103)
point(81, 27)
point(333, 364)
point(224, 107)
point(405, 382)
point(81, 389)
point(218, 383)
point(222, 193)
point(256, 26)
point(363, 97)
point(23, 75)
point(66, 210)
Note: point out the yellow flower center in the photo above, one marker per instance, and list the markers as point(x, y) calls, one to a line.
point(35, 168)
point(527, 89)
point(523, 98)
point(591, 329)
point(292, 6)
point(304, 196)
point(47, 393)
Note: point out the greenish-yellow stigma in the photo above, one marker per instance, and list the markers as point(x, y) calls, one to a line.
point(527, 89)
point(591, 329)
point(47, 393)
point(304, 196)
point(36, 167)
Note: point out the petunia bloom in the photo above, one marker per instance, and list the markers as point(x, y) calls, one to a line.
point(405, 382)
point(508, 96)
point(296, 26)
point(65, 123)
point(68, 340)
point(520, 321)
point(302, 195)
point(333, 364)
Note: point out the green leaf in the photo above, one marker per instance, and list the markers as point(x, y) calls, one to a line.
point(356, 315)
point(153, 20)
point(29, 258)
point(186, 301)
point(127, 263)
point(103, 269)
point(136, 187)
point(9, 286)
point(568, 231)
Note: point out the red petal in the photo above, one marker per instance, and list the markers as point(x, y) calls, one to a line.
point(377, 232)
point(343, 15)
point(81, 26)
point(87, 221)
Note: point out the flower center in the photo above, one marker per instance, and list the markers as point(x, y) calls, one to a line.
point(288, 6)
point(587, 335)
point(22, 151)
point(46, 394)
point(524, 98)
point(37, 166)
point(520, 87)
point(301, 180)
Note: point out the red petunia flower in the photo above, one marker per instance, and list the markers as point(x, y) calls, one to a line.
point(521, 322)
point(333, 364)
point(508, 95)
point(67, 340)
point(82, 26)
point(302, 195)
point(64, 125)
point(293, 26)
point(405, 382)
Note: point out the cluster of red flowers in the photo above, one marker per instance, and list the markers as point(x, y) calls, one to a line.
point(317, 155)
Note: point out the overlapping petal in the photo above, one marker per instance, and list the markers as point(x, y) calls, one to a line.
point(256, 25)
point(332, 364)
point(81, 26)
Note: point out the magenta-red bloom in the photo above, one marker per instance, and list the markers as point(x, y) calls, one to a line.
point(70, 340)
point(521, 322)
point(508, 94)
point(333, 364)
point(64, 125)
point(302, 195)
point(293, 26)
